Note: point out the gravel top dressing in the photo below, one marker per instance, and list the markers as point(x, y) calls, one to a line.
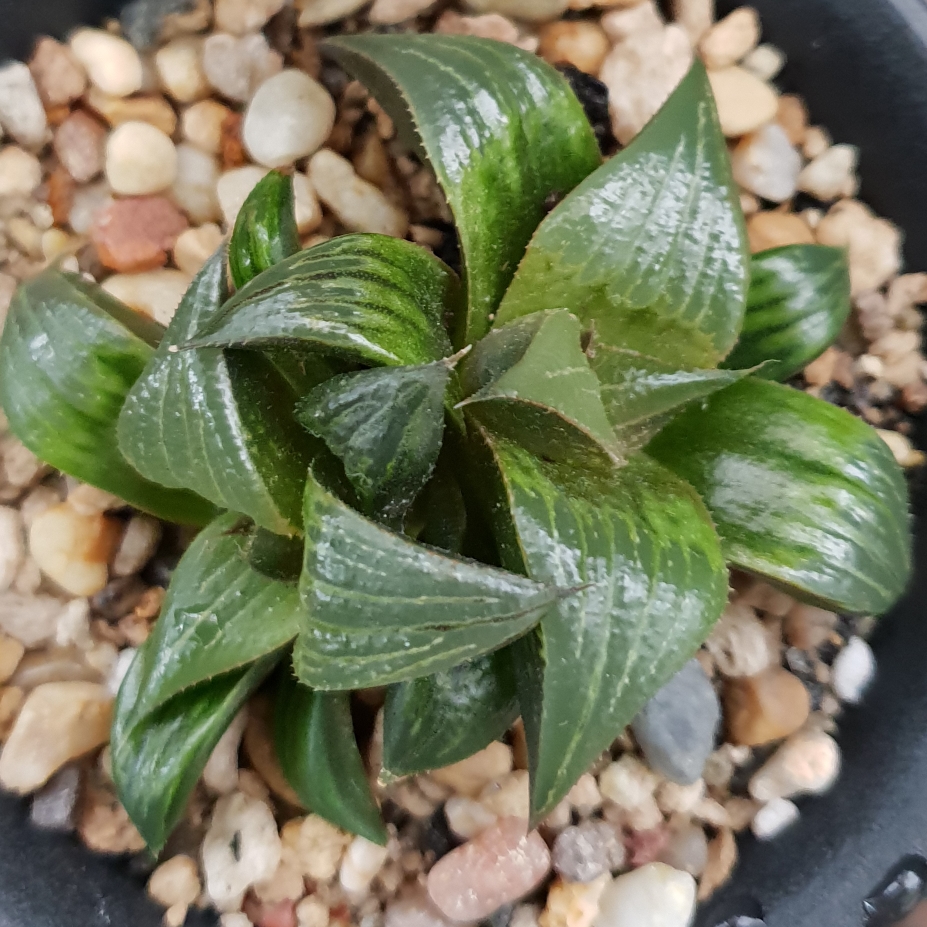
point(128, 155)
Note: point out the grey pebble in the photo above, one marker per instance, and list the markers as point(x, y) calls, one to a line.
point(141, 20)
point(586, 851)
point(53, 807)
point(676, 729)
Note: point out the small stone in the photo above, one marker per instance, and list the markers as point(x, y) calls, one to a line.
point(509, 796)
point(201, 125)
point(74, 625)
point(139, 542)
point(241, 847)
point(793, 117)
point(765, 163)
point(86, 205)
point(313, 912)
point(676, 728)
point(59, 76)
point(731, 38)
point(533, 10)
point(31, 619)
point(392, 12)
point(144, 22)
point(722, 857)
point(180, 70)
point(525, 915)
point(587, 851)
point(11, 700)
point(54, 806)
point(155, 111)
point(119, 669)
point(695, 16)
point(744, 102)
point(413, 908)
point(820, 372)
point(288, 118)
point(194, 188)
point(766, 707)
point(140, 159)
point(155, 293)
point(259, 748)
point(585, 798)
point(176, 881)
point(20, 172)
point(112, 64)
point(874, 244)
point(314, 846)
point(11, 652)
point(490, 26)
point(12, 546)
point(73, 550)
point(89, 500)
point(104, 825)
point(286, 884)
point(572, 904)
point(653, 896)
point(686, 850)
point(674, 798)
point(195, 246)
point(322, 12)
point(901, 447)
point(235, 67)
point(21, 111)
point(628, 783)
point(466, 817)
point(472, 775)
point(234, 187)
point(54, 664)
point(581, 43)
point(853, 671)
point(773, 818)
point(136, 234)
point(359, 205)
point(58, 722)
point(307, 207)
point(831, 175)
point(243, 16)
point(501, 865)
point(807, 763)
point(360, 866)
point(739, 643)
point(764, 62)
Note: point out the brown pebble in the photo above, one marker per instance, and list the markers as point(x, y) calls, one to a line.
point(231, 148)
point(766, 707)
point(807, 626)
point(104, 825)
point(646, 846)
point(581, 42)
point(58, 75)
point(259, 749)
point(60, 195)
point(722, 857)
point(80, 145)
point(775, 229)
point(821, 371)
point(136, 234)
point(914, 397)
point(155, 111)
point(793, 117)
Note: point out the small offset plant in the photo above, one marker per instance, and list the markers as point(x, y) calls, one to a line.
point(511, 494)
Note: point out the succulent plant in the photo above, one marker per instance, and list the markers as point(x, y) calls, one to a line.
point(512, 494)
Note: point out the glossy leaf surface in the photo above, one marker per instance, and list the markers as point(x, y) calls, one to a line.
point(219, 615)
point(158, 759)
point(802, 493)
point(314, 739)
point(798, 300)
point(382, 609)
point(386, 426)
point(548, 399)
point(502, 130)
point(265, 231)
point(218, 423)
point(69, 354)
point(650, 249)
point(366, 297)
point(641, 547)
point(441, 719)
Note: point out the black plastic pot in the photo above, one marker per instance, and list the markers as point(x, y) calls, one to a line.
point(862, 67)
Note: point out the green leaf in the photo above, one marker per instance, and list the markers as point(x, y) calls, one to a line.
point(370, 298)
point(314, 737)
point(275, 556)
point(548, 397)
point(798, 300)
point(802, 493)
point(641, 547)
point(157, 759)
point(502, 130)
point(265, 231)
point(219, 615)
point(438, 720)
point(651, 248)
point(69, 354)
point(386, 425)
point(443, 509)
point(218, 423)
point(642, 394)
point(382, 609)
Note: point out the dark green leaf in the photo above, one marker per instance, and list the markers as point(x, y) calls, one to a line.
point(641, 394)
point(386, 426)
point(68, 356)
point(275, 556)
point(382, 609)
point(502, 130)
point(802, 493)
point(442, 719)
point(640, 544)
point(548, 399)
point(652, 247)
point(442, 507)
point(218, 423)
point(798, 300)
point(366, 297)
point(314, 737)
point(265, 231)
point(158, 759)
point(219, 615)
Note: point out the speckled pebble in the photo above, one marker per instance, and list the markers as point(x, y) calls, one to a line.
point(587, 851)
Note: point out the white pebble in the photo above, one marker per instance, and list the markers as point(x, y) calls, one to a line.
point(12, 546)
point(288, 118)
point(195, 246)
point(194, 188)
point(765, 163)
point(831, 175)
point(536, 10)
point(306, 203)
point(20, 172)
point(74, 625)
point(808, 763)
point(243, 16)
point(139, 542)
point(739, 643)
point(744, 102)
point(466, 817)
point(656, 895)
point(359, 205)
point(391, 12)
point(21, 111)
point(180, 69)
point(360, 865)
point(321, 12)
point(176, 881)
point(112, 64)
point(509, 796)
point(234, 187)
point(202, 125)
point(764, 62)
point(472, 775)
point(156, 293)
point(221, 771)
point(773, 818)
point(119, 669)
point(140, 159)
point(241, 847)
point(853, 670)
point(31, 619)
point(731, 38)
point(236, 66)
point(88, 202)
